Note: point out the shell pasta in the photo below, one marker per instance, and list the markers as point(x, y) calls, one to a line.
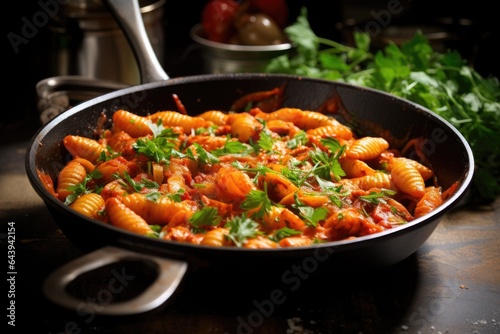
point(252, 179)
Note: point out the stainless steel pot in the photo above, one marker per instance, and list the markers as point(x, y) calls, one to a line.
point(87, 41)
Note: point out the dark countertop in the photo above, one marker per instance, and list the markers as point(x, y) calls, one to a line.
point(449, 285)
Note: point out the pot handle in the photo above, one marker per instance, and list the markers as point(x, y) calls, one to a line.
point(127, 13)
point(170, 274)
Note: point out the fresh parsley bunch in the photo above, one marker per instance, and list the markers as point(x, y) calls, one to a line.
point(441, 82)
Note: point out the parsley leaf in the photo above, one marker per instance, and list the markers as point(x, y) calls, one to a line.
point(137, 186)
point(108, 154)
point(377, 197)
point(232, 147)
point(207, 216)
point(265, 141)
point(312, 215)
point(162, 146)
point(81, 188)
point(242, 228)
point(258, 202)
point(202, 156)
point(299, 139)
point(158, 149)
point(327, 166)
point(284, 233)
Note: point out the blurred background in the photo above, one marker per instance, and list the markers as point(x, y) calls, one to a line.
point(43, 39)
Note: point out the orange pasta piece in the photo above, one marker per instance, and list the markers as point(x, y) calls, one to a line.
point(355, 167)
point(216, 237)
point(378, 180)
point(278, 186)
point(224, 209)
point(260, 242)
point(116, 188)
point(88, 204)
point(336, 130)
point(295, 241)
point(123, 217)
point(115, 167)
point(89, 167)
point(122, 142)
point(425, 171)
point(135, 125)
point(347, 222)
point(83, 147)
point(175, 119)
point(303, 119)
point(279, 217)
point(233, 185)
point(282, 128)
point(215, 116)
point(244, 126)
point(209, 143)
point(367, 148)
point(407, 178)
point(313, 200)
point(177, 233)
point(155, 212)
point(429, 201)
point(71, 175)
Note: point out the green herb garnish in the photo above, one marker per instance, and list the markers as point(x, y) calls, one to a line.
point(242, 228)
point(81, 188)
point(259, 201)
point(161, 147)
point(377, 197)
point(439, 81)
point(208, 216)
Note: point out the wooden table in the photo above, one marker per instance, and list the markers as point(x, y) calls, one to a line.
point(450, 285)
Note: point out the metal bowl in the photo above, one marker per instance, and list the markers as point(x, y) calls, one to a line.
point(222, 58)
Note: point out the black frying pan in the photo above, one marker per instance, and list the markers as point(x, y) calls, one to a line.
point(369, 111)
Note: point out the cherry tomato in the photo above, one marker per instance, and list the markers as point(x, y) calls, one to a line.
point(217, 19)
point(276, 9)
point(259, 29)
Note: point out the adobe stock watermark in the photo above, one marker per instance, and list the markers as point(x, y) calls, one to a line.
point(293, 279)
point(427, 147)
point(381, 18)
point(30, 27)
point(426, 315)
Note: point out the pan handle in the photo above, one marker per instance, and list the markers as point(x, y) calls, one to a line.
point(170, 274)
point(127, 13)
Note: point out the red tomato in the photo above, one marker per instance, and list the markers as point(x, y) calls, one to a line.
point(217, 19)
point(276, 9)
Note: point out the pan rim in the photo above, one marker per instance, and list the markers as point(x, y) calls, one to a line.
point(347, 244)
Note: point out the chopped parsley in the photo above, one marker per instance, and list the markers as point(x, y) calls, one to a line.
point(207, 216)
point(377, 197)
point(161, 147)
point(242, 228)
point(258, 202)
point(284, 232)
point(81, 188)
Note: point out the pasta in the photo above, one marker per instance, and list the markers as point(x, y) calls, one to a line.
point(254, 179)
point(88, 204)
